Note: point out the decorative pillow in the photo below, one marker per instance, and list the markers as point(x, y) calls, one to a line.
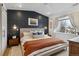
point(27, 34)
point(38, 34)
point(35, 33)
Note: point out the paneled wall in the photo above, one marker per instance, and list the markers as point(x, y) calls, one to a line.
point(20, 19)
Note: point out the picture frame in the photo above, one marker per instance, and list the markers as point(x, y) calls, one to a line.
point(32, 22)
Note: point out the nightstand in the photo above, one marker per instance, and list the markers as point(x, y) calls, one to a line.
point(74, 47)
point(13, 42)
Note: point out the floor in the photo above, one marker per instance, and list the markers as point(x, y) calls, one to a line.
point(62, 53)
point(16, 51)
point(13, 51)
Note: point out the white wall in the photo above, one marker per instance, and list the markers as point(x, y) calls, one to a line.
point(0, 31)
point(3, 29)
point(50, 29)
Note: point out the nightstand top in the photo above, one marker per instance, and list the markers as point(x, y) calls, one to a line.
point(76, 39)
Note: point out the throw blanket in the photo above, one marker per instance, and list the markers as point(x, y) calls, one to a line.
point(31, 46)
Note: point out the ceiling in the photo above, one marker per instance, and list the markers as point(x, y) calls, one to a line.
point(47, 9)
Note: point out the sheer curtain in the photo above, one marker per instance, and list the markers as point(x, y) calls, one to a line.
point(56, 25)
point(74, 20)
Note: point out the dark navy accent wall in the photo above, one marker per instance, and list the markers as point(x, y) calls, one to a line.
point(20, 18)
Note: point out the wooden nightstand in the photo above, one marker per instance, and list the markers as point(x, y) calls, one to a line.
point(73, 48)
point(13, 42)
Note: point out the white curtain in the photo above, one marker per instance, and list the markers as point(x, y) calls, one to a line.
point(56, 25)
point(74, 21)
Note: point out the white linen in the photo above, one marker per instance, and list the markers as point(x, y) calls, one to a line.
point(26, 38)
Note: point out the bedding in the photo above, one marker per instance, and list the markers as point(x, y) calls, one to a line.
point(31, 46)
point(47, 51)
point(28, 34)
point(39, 44)
point(28, 38)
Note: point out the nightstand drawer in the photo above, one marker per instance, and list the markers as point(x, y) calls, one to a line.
point(73, 49)
point(13, 42)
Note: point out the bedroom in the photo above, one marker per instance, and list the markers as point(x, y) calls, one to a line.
point(23, 26)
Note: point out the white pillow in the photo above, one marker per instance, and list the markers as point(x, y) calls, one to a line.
point(26, 33)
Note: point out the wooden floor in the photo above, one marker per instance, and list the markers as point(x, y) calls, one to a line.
point(13, 51)
point(16, 51)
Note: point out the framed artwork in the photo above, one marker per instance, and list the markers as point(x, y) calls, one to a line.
point(32, 22)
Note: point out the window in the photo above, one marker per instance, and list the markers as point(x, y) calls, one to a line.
point(65, 25)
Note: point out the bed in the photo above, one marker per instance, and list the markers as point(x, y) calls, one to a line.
point(39, 45)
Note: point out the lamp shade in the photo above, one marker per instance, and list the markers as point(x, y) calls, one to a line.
point(14, 27)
